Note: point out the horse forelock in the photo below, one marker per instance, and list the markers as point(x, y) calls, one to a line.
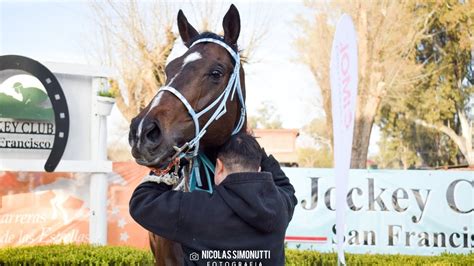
point(212, 35)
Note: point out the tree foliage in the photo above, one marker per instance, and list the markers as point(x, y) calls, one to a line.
point(138, 37)
point(439, 101)
point(316, 129)
point(314, 157)
point(136, 42)
point(319, 152)
point(387, 32)
point(266, 117)
point(406, 145)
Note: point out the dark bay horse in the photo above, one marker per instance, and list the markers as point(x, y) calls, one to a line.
point(201, 105)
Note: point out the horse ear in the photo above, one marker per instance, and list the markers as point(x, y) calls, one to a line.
point(186, 31)
point(231, 25)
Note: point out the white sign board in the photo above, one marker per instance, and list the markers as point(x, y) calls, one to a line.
point(27, 124)
point(389, 211)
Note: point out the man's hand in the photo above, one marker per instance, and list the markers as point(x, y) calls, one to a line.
point(264, 156)
point(266, 162)
point(270, 164)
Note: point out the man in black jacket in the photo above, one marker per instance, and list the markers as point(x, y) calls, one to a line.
point(244, 220)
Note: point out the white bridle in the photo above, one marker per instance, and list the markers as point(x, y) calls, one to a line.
point(221, 101)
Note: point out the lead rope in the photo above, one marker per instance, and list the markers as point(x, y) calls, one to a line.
point(195, 177)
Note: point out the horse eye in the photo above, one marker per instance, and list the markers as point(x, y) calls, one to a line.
point(216, 74)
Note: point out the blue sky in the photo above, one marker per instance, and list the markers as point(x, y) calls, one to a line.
point(52, 31)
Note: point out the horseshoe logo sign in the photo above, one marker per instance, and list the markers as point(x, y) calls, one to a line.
point(34, 98)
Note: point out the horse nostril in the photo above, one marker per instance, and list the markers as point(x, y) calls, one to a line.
point(132, 137)
point(152, 132)
point(132, 134)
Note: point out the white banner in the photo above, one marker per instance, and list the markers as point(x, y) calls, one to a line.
point(389, 211)
point(344, 79)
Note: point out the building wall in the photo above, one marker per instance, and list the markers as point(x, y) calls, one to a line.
point(279, 142)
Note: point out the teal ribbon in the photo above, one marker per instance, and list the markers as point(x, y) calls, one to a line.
point(195, 177)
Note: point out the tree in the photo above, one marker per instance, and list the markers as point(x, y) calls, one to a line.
point(137, 47)
point(316, 129)
point(314, 157)
point(319, 154)
point(267, 117)
point(439, 101)
point(396, 155)
point(404, 144)
point(138, 38)
point(387, 33)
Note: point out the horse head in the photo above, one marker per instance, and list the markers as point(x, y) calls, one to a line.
point(202, 102)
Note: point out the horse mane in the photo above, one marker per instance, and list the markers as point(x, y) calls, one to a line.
point(212, 35)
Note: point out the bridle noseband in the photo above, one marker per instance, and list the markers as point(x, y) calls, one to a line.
point(191, 148)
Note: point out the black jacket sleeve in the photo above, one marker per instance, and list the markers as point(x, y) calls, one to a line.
point(270, 164)
point(156, 207)
point(167, 212)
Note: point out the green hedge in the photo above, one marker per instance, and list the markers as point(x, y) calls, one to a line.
point(306, 257)
point(107, 255)
point(74, 255)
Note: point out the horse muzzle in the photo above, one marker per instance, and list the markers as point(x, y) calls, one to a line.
point(149, 146)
